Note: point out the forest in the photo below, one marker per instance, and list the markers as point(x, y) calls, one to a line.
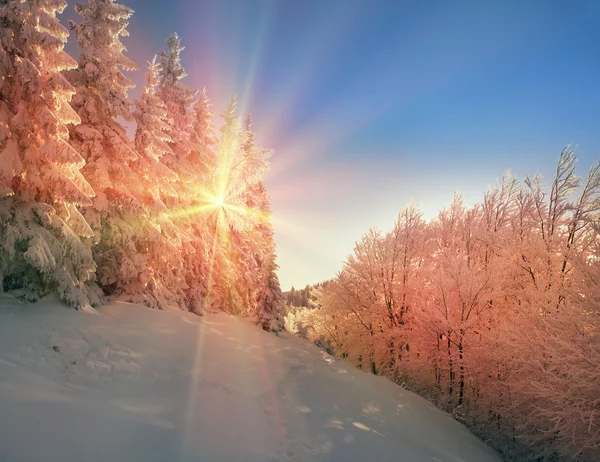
point(490, 311)
point(177, 216)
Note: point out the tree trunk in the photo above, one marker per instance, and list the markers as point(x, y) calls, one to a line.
point(450, 370)
point(436, 366)
point(372, 353)
point(461, 386)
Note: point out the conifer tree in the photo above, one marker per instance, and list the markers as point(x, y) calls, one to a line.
point(269, 302)
point(41, 185)
point(229, 172)
point(192, 158)
point(202, 156)
point(268, 295)
point(202, 159)
point(152, 140)
point(222, 256)
point(159, 241)
point(179, 101)
point(256, 158)
point(117, 213)
point(248, 237)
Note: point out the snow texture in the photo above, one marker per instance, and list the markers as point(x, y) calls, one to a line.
point(134, 384)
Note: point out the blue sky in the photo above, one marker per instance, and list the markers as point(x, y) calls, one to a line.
point(372, 104)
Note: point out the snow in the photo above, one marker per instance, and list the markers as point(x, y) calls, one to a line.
point(133, 384)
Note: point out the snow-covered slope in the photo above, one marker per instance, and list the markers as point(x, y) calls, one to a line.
point(131, 384)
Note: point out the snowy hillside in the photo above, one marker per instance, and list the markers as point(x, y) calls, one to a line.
point(132, 384)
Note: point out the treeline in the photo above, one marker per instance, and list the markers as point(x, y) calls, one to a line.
point(179, 216)
point(302, 297)
point(491, 311)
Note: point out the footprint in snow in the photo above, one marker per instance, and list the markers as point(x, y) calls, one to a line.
point(335, 423)
point(365, 428)
point(370, 409)
point(361, 426)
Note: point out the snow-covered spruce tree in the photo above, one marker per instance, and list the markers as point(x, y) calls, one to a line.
point(243, 279)
point(232, 240)
point(180, 104)
point(179, 101)
point(256, 158)
point(269, 301)
point(228, 179)
point(160, 240)
point(117, 214)
point(40, 181)
point(225, 183)
point(202, 159)
point(202, 156)
point(247, 242)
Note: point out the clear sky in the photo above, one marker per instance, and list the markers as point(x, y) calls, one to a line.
point(372, 104)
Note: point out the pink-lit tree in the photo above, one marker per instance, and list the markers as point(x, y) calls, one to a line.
point(41, 186)
point(491, 310)
point(159, 242)
point(117, 213)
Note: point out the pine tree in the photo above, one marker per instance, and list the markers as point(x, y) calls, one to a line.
point(256, 158)
point(228, 180)
point(117, 213)
point(242, 165)
point(270, 299)
point(41, 185)
point(269, 296)
point(202, 159)
point(159, 241)
point(152, 140)
point(179, 101)
point(202, 156)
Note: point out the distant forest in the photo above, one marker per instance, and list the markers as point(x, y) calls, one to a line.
point(302, 297)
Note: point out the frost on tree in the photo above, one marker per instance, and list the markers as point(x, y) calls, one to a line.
point(159, 242)
point(491, 311)
point(202, 156)
point(557, 315)
point(269, 298)
point(202, 159)
point(242, 279)
point(179, 101)
point(41, 185)
point(225, 225)
point(189, 145)
point(118, 213)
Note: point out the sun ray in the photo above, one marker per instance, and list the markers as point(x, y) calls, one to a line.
point(257, 51)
